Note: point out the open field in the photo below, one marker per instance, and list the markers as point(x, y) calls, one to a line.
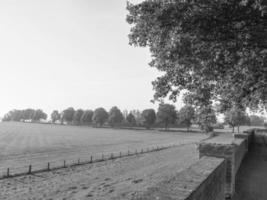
point(22, 144)
point(124, 178)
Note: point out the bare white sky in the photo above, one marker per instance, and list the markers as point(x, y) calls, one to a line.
point(60, 53)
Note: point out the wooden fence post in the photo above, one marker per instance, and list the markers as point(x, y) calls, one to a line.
point(91, 160)
point(48, 166)
point(7, 174)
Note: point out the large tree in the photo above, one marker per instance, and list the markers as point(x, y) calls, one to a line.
point(115, 116)
point(131, 119)
point(67, 115)
point(55, 116)
point(87, 117)
point(235, 117)
point(215, 49)
point(166, 114)
point(148, 117)
point(38, 115)
point(206, 118)
point(186, 116)
point(77, 116)
point(100, 116)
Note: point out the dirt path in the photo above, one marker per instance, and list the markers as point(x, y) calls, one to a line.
point(124, 178)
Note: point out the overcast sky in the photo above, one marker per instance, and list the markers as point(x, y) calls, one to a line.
point(61, 53)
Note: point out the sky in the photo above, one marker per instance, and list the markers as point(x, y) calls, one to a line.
point(56, 54)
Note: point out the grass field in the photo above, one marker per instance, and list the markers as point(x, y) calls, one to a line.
point(22, 144)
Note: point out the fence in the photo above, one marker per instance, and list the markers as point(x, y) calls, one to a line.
point(54, 165)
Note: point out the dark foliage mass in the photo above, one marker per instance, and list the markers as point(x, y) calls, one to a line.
point(24, 115)
point(215, 49)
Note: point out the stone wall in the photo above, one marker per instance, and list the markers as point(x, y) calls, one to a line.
point(232, 149)
point(204, 180)
point(260, 138)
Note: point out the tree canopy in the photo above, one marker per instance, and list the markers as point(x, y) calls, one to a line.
point(166, 114)
point(148, 117)
point(215, 49)
point(131, 119)
point(87, 117)
point(186, 115)
point(55, 116)
point(100, 116)
point(68, 114)
point(236, 117)
point(77, 116)
point(115, 116)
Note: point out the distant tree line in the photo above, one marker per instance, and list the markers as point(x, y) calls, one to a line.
point(24, 115)
point(166, 116)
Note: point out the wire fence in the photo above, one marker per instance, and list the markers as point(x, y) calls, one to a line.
point(60, 164)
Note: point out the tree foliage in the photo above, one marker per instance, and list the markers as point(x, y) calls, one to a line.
point(26, 114)
point(206, 118)
point(131, 119)
point(77, 116)
point(186, 115)
point(100, 116)
point(236, 117)
point(67, 114)
point(256, 120)
point(148, 117)
point(166, 114)
point(216, 50)
point(38, 115)
point(87, 117)
point(55, 116)
point(115, 116)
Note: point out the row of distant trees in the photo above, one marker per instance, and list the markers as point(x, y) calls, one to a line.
point(24, 115)
point(236, 117)
point(165, 116)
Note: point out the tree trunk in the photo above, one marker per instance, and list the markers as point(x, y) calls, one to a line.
point(233, 129)
point(166, 126)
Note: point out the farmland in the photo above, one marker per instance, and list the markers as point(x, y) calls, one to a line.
point(22, 144)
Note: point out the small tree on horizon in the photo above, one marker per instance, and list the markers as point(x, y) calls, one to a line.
point(55, 116)
point(39, 114)
point(235, 117)
point(77, 116)
point(115, 116)
point(166, 114)
point(206, 118)
point(87, 117)
point(149, 117)
point(100, 116)
point(186, 115)
point(131, 119)
point(67, 115)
